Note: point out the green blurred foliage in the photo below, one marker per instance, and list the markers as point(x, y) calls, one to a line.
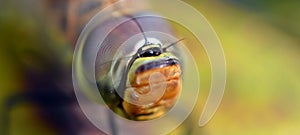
point(261, 44)
point(29, 42)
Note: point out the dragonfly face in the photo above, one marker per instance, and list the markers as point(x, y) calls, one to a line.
point(140, 81)
point(153, 83)
point(149, 82)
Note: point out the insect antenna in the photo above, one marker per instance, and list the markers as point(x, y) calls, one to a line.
point(119, 8)
point(114, 128)
point(172, 44)
point(139, 26)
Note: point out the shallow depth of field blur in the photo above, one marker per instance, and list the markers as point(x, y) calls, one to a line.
point(261, 42)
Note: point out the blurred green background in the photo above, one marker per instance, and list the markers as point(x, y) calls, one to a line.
point(261, 41)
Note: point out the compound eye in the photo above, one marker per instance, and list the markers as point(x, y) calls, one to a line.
point(150, 53)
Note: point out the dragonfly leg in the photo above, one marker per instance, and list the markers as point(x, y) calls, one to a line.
point(112, 123)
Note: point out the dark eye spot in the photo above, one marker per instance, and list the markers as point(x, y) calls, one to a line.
point(150, 52)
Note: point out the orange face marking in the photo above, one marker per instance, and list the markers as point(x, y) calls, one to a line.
point(150, 97)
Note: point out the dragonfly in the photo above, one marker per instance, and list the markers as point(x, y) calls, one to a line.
point(136, 49)
point(138, 64)
point(144, 84)
point(152, 60)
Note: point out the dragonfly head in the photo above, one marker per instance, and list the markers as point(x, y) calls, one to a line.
point(150, 50)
